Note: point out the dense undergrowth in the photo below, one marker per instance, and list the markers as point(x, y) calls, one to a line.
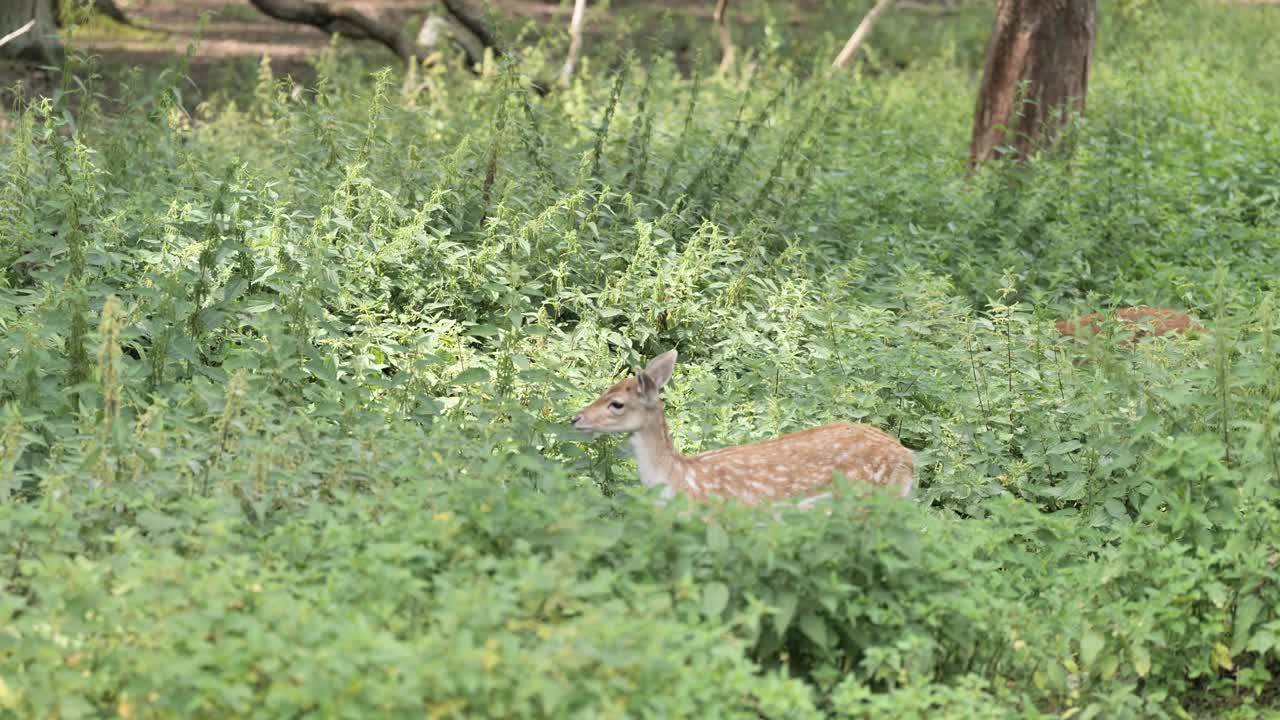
point(284, 383)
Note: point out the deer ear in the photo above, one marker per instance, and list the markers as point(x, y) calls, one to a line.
point(645, 383)
point(660, 368)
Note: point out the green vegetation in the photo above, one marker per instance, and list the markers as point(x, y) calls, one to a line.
point(284, 384)
point(239, 10)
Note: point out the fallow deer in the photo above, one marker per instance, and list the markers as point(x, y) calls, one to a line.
point(799, 465)
point(1139, 322)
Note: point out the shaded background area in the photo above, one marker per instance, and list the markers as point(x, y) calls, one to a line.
point(233, 36)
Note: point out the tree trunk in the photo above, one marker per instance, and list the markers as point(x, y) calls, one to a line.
point(1046, 44)
point(39, 42)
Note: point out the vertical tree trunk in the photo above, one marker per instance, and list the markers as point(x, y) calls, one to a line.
point(1036, 75)
point(40, 43)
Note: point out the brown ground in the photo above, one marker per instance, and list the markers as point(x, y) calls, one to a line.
point(237, 36)
point(237, 30)
point(234, 40)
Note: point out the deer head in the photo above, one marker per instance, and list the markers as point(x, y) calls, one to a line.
point(629, 405)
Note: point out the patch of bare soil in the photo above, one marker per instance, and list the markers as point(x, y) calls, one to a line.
point(236, 35)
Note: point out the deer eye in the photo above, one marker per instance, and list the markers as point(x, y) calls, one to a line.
point(615, 405)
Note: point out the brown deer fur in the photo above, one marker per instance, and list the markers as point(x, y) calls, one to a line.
point(798, 466)
point(1141, 321)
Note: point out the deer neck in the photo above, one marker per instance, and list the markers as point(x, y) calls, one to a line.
point(655, 452)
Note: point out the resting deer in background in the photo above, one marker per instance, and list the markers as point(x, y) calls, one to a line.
point(1138, 321)
point(798, 465)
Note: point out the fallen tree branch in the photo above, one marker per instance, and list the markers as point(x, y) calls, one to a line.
point(338, 18)
point(439, 27)
point(463, 15)
point(468, 19)
point(930, 8)
point(861, 33)
point(111, 10)
point(17, 33)
point(727, 50)
point(331, 18)
point(575, 40)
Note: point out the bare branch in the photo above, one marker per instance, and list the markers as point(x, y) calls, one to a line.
point(336, 18)
point(727, 50)
point(441, 27)
point(463, 15)
point(17, 33)
point(946, 7)
point(468, 19)
point(111, 10)
point(861, 33)
point(575, 40)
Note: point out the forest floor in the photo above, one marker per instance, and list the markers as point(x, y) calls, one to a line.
point(235, 36)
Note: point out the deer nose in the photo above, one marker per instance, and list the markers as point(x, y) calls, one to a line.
point(575, 419)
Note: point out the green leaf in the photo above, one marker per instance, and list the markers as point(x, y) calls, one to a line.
point(1221, 657)
point(483, 331)
point(1090, 645)
point(1262, 642)
point(814, 628)
point(470, 376)
point(717, 538)
point(715, 598)
point(1073, 489)
point(1146, 424)
point(1141, 659)
point(1064, 447)
point(154, 522)
point(539, 376)
point(787, 603)
point(1247, 611)
point(1116, 509)
point(1217, 593)
point(1109, 666)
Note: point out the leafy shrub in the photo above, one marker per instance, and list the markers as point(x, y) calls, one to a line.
point(285, 383)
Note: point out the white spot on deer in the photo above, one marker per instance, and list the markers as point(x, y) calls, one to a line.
point(813, 500)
